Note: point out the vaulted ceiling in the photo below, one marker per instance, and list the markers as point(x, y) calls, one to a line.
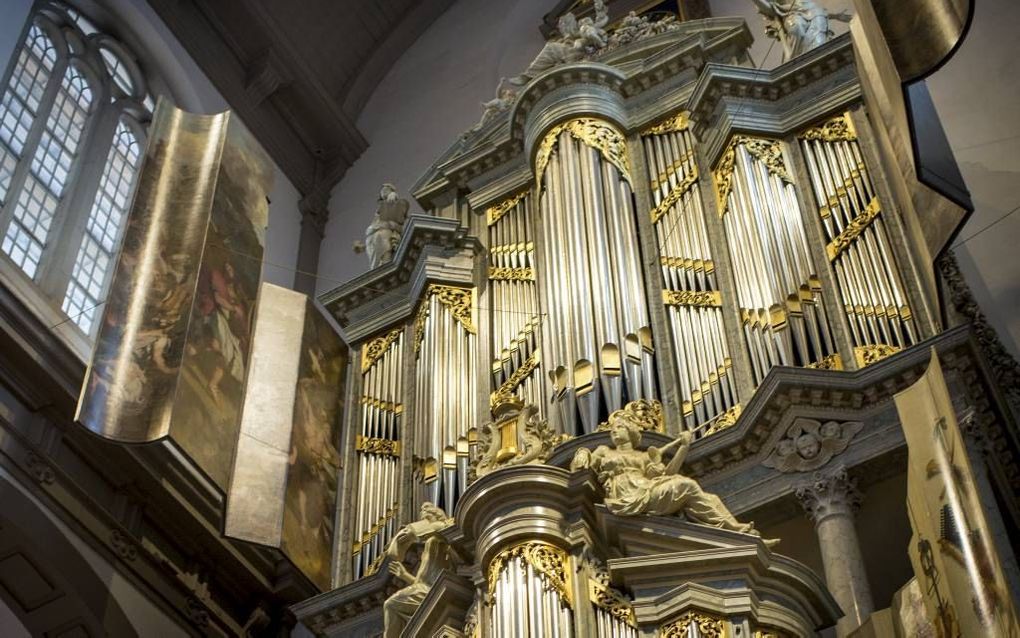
point(299, 73)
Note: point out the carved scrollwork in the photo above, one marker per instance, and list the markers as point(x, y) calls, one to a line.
point(768, 152)
point(494, 213)
point(505, 393)
point(370, 445)
point(726, 420)
point(674, 196)
point(518, 437)
point(675, 124)
point(549, 561)
point(374, 349)
point(867, 355)
point(831, 362)
point(856, 226)
point(595, 133)
point(458, 300)
point(696, 298)
point(809, 444)
point(606, 597)
point(838, 129)
point(707, 626)
point(512, 274)
point(646, 413)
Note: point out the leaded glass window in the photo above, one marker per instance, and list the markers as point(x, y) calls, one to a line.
point(72, 126)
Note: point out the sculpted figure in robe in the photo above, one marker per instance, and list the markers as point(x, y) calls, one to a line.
point(576, 40)
point(639, 482)
point(383, 234)
point(799, 25)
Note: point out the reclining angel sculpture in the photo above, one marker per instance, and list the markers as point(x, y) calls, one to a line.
point(639, 482)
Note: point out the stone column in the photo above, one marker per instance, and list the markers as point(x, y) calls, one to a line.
point(831, 500)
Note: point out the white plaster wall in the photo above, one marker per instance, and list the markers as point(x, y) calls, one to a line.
point(135, 22)
point(431, 96)
point(428, 98)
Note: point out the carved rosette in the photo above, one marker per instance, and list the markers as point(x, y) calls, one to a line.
point(707, 626)
point(595, 133)
point(549, 561)
point(834, 494)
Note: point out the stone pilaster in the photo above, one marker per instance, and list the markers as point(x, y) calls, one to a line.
point(831, 501)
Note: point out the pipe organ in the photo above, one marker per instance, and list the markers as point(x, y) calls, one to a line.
point(445, 353)
point(514, 314)
point(870, 284)
point(378, 448)
point(778, 290)
point(642, 229)
point(599, 339)
point(691, 296)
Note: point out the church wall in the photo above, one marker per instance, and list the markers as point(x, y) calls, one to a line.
point(431, 96)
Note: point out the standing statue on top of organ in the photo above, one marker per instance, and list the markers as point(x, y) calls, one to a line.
point(383, 234)
point(638, 482)
point(799, 25)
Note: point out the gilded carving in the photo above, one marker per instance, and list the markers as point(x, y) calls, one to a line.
point(517, 437)
point(674, 196)
point(371, 445)
point(768, 152)
point(646, 413)
point(512, 274)
point(675, 124)
point(548, 560)
point(374, 349)
point(494, 213)
point(458, 300)
point(597, 134)
point(696, 298)
point(856, 226)
point(867, 355)
point(831, 362)
point(696, 265)
point(613, 602)
point(809, 444)
point(838, 129)
point(707, 626)
point(505, 393)
point(726, 420)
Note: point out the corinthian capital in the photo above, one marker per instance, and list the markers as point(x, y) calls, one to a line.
point(830, 495)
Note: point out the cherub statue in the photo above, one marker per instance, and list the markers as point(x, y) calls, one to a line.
point(576, 40)
point(639, 482)
point(505, 96)
point(799, 25)
point(591, 32)
point(383, 234)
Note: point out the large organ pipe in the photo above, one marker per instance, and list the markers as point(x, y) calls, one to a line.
point(692, 297)
point(868, 278)
point(528, 592)
point(445, 397)
point(777, 283)
point(378, 448)
point(591, 273)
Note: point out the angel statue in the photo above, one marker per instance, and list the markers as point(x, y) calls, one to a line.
point(435, 558)
point(639, 482)
point(575, 40)
point(799, 25)
point(383, 234)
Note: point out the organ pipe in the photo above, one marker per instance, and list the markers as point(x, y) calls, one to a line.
point(691, 296)
point(378, 448)
point(445, 398)
point(529, 592)
point(599, 344)
point(869, 281)
point(777, 285)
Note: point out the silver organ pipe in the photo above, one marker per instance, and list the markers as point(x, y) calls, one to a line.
point(777, 284)
point(599, 340)
point(378, 448)
point(529, 592)
point(514, 314)
point(870, 284)
point(445, 398)
point(691, 295)
point(614, 615)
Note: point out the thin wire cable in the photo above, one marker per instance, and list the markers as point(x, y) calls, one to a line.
point(972, 236)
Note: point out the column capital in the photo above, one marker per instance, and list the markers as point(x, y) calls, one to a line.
point(831, 494)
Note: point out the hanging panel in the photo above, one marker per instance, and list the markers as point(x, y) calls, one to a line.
point(869, 280)
point(691, 295)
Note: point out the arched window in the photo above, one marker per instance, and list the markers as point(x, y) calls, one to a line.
point(72, 128)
